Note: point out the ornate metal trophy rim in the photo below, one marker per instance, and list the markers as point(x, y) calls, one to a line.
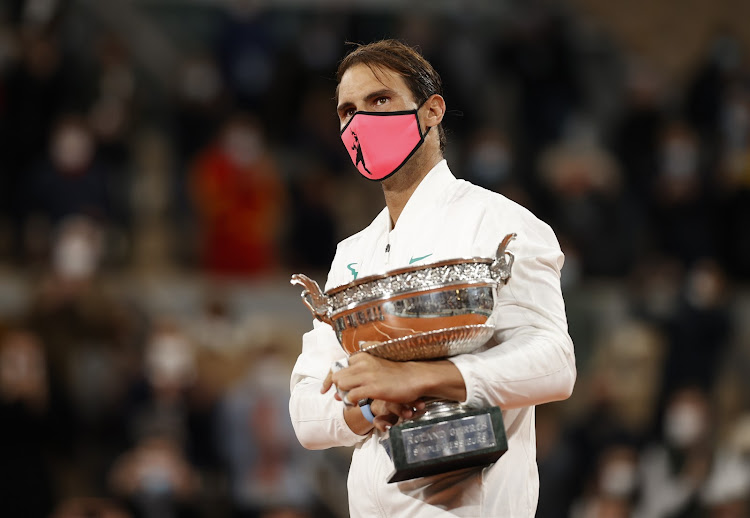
point(407, 283)
point(397, 282)
point(415, 291)
point(407, 269)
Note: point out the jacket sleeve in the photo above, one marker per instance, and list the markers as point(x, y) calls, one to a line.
point(533, 361)
point(318, 419)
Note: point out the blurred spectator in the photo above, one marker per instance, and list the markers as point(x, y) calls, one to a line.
point(247, 52)
point(268, 469)
point(705, 91)
point(240, 201)
point(176, 396)
point(112, 111)
point(31, 426)
point(618, 397)
point(112, 116)
point(584, 189)
point(681, 204)
point(557, 461)
point(490, 163)
point(156, 479)
point(734, 181)
point(36, 91)
point(635, 135)
point(613, 489)
point(90, 508)
point(673, 471)
point(313, 232)
point(727, 491)
point(539, 53)
point(699, 331)
point(214, 329)
point(627, 377)
point(656, 284)
point(91, 340)
point(69, 182)
point(311, 139)
point(71, 309)
point(200, 104)
point(159, 400)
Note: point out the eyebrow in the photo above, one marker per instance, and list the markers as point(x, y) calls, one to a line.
point(374, 95)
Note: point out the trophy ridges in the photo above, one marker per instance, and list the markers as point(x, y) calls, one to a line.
point(430, 345)
point(438, 275)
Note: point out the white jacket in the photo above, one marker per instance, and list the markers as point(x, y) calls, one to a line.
point(534, 362)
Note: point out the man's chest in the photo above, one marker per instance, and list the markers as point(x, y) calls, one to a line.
point(433, 238)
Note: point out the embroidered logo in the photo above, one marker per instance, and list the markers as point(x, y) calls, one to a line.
point(350, 266)
point(415, 259)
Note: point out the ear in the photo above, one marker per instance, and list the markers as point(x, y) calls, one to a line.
point(434, 110)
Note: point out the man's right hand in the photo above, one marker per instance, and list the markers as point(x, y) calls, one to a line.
point(388, 414)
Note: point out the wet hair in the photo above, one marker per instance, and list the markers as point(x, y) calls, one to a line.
point(420, 76)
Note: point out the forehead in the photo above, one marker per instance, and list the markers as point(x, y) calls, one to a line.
point(360, 80)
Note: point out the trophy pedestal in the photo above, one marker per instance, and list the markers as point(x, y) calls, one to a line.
point(448, 439)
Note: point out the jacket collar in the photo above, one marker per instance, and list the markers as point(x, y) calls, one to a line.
point(426, 196)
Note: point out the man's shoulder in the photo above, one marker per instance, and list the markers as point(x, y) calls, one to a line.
point(495, 211)
point(475, 197)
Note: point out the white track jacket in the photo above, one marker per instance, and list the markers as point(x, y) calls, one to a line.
point(530, 360)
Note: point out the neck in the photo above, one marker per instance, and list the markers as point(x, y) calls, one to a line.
point(398, 188)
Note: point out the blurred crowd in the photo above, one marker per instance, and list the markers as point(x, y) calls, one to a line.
point(144, 140)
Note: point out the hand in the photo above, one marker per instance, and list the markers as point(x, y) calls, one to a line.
point(370, 377)
point(397, 382)
point(388, 414)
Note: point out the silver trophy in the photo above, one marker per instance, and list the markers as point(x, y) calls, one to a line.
point(424, 312)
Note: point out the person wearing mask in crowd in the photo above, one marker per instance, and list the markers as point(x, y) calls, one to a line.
point(71, 180)
point(239, 200)
point(390, 97)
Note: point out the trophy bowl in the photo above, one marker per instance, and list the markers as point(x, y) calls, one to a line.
point(414, 313)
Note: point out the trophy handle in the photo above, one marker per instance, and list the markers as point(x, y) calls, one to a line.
point(313, 297)
point(501, 266)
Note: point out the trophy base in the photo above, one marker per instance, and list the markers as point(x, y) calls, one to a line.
point(445, 439)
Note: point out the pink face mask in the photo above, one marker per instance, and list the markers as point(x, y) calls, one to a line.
point(379, 143)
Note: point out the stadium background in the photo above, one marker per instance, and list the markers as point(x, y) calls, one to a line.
point(166, 165)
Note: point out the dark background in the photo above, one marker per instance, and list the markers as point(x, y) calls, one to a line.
point(166, 165)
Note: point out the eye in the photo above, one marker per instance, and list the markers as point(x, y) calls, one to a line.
point(346, 113)
point(380, 101)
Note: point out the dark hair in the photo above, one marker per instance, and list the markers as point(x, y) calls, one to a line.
point(419, 75)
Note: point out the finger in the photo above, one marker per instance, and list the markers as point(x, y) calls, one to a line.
point(327, 383)
point(379, 407)
point(410, 410)
point(355, 394)
point(356, 358)
point(382, 424)
point(406, 412)
point(385, 422)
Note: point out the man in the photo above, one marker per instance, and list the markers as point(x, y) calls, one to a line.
point(390, 96)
